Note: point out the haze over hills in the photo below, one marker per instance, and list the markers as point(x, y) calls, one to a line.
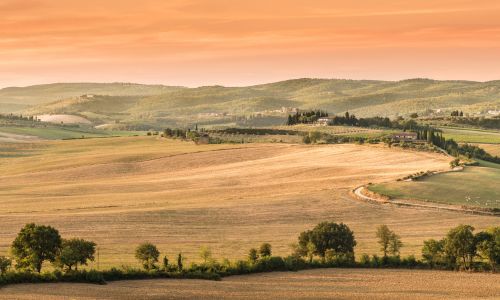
point(159, 105)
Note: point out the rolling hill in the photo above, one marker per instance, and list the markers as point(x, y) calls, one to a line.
point(22, 97)
point(163, 105)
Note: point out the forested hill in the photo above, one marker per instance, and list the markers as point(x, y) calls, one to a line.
point(362, 97)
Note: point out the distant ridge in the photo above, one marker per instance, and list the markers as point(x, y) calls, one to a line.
point(130, 102)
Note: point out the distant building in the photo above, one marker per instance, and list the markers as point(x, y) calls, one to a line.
point(288, 109)
point(405, 136)
point(325, 121)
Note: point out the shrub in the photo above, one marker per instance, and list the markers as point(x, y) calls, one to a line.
point(375, 261)
point(409, 261)
point(268, 264)
point(294, 263)
point(5, 264)
point(365, 260)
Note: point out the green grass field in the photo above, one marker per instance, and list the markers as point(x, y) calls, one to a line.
point(475, 186)
point(461, 135)
point(60, 133)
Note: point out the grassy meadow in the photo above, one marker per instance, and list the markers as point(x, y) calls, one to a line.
point(311, 284)
point(120, 192)
point(58, 133)
point(475, 186)
point(467, 135)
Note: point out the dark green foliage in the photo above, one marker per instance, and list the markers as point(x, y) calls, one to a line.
point(488, 246)
point(433, 252)
point(390, 242)
point(376, 261)
point(253, 255)
point(265, 250)
point(409, 261)
point(165, 263)
point(327, 236)
point(493, 123)
point(365, 260)
point(5, 264)
point(294, 263)
point(75, 251)
point(460, 244)
point(148, 255)
point(395, 244)
point(35, 244)
point(179, 262)
point(447, 253)
point(307, 117)
point(268, 264)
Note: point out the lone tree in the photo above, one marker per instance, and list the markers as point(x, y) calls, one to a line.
point(179, 261)
point(389, 241)
point(327, 236)
point(35, 244)
point(148, 255)
point(253, 255)
point(265, 250)
point(74, 252)
point(461, 244)
point(165, 262)
point(384, 238)
point(395, 244)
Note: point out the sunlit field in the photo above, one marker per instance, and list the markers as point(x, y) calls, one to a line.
point(120, 192)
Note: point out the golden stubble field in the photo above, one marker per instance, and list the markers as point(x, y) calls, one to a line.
point(311, 284)
point(120, 192)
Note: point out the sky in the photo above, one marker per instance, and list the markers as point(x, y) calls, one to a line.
point(243, 42)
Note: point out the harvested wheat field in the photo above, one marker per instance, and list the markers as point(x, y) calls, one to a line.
point(312, 284)
point(120, 192)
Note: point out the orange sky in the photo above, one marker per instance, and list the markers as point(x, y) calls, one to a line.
point(240, 42)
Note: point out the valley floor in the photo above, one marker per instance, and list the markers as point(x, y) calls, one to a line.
point(311, 284)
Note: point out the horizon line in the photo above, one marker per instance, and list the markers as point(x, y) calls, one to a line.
point(241, 86)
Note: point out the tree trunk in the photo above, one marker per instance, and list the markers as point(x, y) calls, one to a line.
point(38, 267)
